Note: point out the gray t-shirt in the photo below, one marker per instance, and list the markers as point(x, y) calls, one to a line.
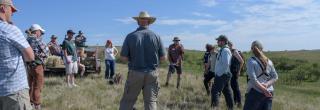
point(143, 49)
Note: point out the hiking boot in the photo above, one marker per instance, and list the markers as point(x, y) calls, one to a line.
point(178, 85)
point(167, 84)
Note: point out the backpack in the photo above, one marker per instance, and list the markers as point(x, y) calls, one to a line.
point(235, 63)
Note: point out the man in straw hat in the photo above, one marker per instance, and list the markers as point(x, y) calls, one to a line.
point(142, 49)
point(36, 73)
point(13, 46)
point(222, 75)
point(175, 57)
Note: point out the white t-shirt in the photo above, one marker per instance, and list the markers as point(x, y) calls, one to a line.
point(109, 53)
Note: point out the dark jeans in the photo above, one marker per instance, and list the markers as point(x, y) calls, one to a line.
point(206, 81)
point(222, 84)
point(257, 101)
point(236, 89)
point(110, 67)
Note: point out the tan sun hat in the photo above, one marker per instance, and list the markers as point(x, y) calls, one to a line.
point(144, 14)
point(9, 2)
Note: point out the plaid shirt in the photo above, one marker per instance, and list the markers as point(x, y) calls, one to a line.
point(13, 76)
point(39, 48)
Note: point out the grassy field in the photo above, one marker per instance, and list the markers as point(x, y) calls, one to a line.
point(95, 93)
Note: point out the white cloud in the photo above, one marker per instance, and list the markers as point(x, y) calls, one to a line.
point(295, 3)
point(127, 20)
point(207, 15)
point(194, 22)
point(208, 3)
point(281, 27)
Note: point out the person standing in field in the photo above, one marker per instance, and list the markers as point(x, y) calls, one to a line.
point(210, 67)
point(222, 75)
point(14, 51)
point(36, 73)
point(80, 41)
point(262, 76)
point(143, 49)
point(70, 58)
point(54, 47)
point(175, 57)
point(110, 53)
point(235, 68)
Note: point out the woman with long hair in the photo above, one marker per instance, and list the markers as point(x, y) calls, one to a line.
point(261, 78)
point(110, 53)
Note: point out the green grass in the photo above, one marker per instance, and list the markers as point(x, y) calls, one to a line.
point(95, 94)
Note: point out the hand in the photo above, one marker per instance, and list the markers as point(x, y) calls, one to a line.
point(68, 61)
point(267, 93)
point(265, 85)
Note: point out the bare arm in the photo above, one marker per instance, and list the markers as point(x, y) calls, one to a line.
point(239, 58)
point(115, 51)
point(28, 54)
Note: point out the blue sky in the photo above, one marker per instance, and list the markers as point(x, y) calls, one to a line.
point(278, 24)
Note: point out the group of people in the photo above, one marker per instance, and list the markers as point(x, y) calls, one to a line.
point(143, 50)
point(68, 51)
point(22, 66)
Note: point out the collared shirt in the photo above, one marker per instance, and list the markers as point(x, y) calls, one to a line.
point(13, 75)
point(254, 70)
point(54, 48)
point(39, 48)
point(143, 49)
point(71, 49)
point(175, 52)
point(223, 61)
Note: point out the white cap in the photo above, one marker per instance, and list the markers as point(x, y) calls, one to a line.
point(35, 27)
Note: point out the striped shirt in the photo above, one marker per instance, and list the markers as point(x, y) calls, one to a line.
point(13, 75)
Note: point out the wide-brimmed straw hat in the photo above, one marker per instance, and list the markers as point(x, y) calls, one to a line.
point(9, 2)
point(145, 15)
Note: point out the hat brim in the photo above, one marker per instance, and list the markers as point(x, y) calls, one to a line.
point(151, 19)
point(14, 9)
point(175, 40)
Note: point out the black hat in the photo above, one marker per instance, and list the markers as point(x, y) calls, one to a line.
point(54, 37)
point(222, 38)
point(176, 39)
point(70, 32)
point(80, 32)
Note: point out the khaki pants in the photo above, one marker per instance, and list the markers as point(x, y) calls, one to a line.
point(17, 101)
point(137, 81)
point(36, 81)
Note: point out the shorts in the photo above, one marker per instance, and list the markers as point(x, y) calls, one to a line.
point(172, 69)
point(71, 68)
point(16, 101)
